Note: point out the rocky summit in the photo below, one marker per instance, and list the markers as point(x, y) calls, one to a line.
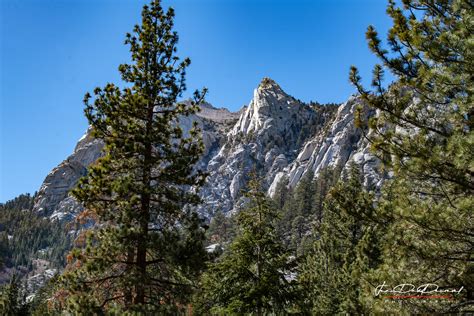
point(275, 136)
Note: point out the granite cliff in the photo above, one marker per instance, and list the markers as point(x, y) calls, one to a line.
point(275, 136)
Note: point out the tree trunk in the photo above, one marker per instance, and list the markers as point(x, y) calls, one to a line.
point(144, 213)
point(128, 292)
point(259, 301)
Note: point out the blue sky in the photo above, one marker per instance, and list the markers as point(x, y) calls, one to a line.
point(53, 51)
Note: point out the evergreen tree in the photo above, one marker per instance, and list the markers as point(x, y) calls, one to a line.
point(12, 298)
point(24, 232)
point(146, 246)
point(302, 207)
point(304, 194)
point(424, 133)
point(40, 305)
point(282, 192)
point(345, 249)
point(326, 179)
point(253, 276)
point(221, 228)
point(297, 213)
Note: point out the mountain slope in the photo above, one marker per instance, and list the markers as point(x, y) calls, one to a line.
point(275, 136)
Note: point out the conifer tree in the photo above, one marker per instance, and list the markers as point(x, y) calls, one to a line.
point(13, 298)
point(296, 211)
point(282, 192)
point(253, 275)
point(304, 194)
point(326, 179)
point(344, 250)
point(146, 246)
point(221, 228)
point(301, 208)
point(424, 133)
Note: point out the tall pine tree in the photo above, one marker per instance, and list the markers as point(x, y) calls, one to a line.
point(254, 275)
point(146, 246)
point(424, 133)
point(345, 249)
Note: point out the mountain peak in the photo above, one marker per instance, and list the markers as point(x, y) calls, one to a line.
point(268, 83)
point(271, 111)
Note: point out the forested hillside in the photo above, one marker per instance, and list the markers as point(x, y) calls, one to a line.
point(32, 250)
point(25, 236)
point(372, 215)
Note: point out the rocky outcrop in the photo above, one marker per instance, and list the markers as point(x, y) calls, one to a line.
point(53, 197)
point(332, 147)
point(265, 139)
point(221, 115)
point(272, 111)
point(275, 136)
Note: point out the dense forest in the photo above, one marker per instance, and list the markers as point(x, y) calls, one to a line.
point(25, 235)
point(331, 245)
point(30, 245)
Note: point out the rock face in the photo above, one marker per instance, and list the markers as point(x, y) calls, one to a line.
point(275, 136)
point(335, 146)
point(265, 140)
point(53, 197)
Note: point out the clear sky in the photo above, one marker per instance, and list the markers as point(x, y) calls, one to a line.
point(53, 51)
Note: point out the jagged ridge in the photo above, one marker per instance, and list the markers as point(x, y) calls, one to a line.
point(275, 135)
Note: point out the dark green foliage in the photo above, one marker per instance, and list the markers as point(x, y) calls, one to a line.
point(253, 275)
point(301, 208)
point(29, 233)
point(40, 304)
point(221, 228)
point(331, 275)
point(146, 247)
point(326, 179)
point(425, 133)
point(13, 298)
point(282, 192)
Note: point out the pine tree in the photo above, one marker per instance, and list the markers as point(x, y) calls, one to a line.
point(146, 246)
point(12, 298)
point(304, 194)
point(25, 232)
point(282, 192)
point(253, 275)
point(424, 133)
point(326, 179)
point(301, 208)
point(221, 228)
point(297, 213)
point(331, 275)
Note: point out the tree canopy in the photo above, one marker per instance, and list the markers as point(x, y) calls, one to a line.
point(146, 246)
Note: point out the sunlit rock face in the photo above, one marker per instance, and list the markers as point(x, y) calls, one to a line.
point(337, 145)
point(276, 136)
point(266, 138)
point(53, 197)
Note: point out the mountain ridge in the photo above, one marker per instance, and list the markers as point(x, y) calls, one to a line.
point(276, 135)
